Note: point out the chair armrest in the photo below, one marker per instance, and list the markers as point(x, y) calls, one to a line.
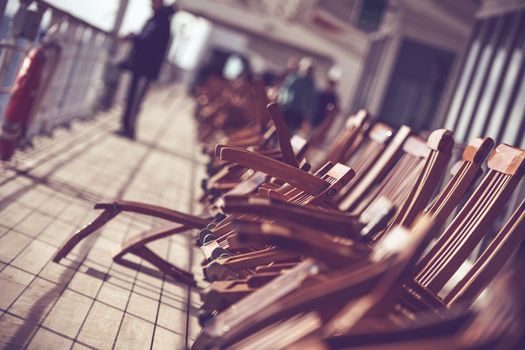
point(303, 240)
point(345, 225)
point(296, 177)
point(191, 221)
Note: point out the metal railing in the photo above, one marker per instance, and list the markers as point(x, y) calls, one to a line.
point(77, 75)
point(76, 86)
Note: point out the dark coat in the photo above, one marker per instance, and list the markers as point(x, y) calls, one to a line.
point(150, 46)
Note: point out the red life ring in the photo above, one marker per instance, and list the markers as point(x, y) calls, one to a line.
point(18, 110)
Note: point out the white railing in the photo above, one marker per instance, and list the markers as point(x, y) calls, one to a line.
point(77, 82)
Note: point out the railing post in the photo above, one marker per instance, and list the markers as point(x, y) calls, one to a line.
point(111, 72)
point(3, 5)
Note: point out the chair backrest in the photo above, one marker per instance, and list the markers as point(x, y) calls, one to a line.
point(492, 260)
point(440, 144)
point(352, 196)
point(413, 179)
point(321, 184)
point(401, 176)
point(354, 127)
point(465, 174)
point(506, 168)
point(335, 175)
point(267, 136)
point(299, 145)
point(338, 175)
point(318, 137)
point(365, 151)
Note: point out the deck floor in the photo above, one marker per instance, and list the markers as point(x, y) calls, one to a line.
point(47, 193)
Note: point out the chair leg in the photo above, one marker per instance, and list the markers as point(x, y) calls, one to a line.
point(161, 264)
point(112, 209)
point(67, 247)
point(151, 235)
point(137, 246)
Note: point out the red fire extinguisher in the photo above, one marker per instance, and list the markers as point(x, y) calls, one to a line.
point(21, 102)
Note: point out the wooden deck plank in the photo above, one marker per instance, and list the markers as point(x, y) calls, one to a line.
point(87, 301)
point(47, 340)
point(34, 257)
point(135, 333)
point(34, 303)
point(114, 295)
point(14, 332)
point(165, 339)
point(11, 244)
point(143, 307)
point(13, 282)
point(68, 313)
point(101, 326)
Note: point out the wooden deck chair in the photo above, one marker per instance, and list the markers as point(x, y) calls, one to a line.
point(506, 168)
point(396, 188)
point(366, 151)
point(231, 174)
point(491, 261)
point(347, 139)
point(351, 196)
point(439, 210)
point(409, 192)
point(252, 135)
point(496, 322)
point(259, 101)
point(259, 135)
point(183, 222)
point(304, 239)
point(281, 299)
point(465, 174)
point(277, 129)
point(335, 177)
point(291, 150)
point(318, 136)
point(225, 108)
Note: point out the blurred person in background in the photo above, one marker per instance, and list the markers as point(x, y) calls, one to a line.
point(145, 61)
point(292, 66)
point(297, 96)
point(327, 96)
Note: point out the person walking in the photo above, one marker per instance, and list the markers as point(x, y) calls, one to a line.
point(297, 96)
point(145, 61)
point(325, 97)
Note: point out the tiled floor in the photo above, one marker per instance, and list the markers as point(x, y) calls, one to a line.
point(46, 194)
